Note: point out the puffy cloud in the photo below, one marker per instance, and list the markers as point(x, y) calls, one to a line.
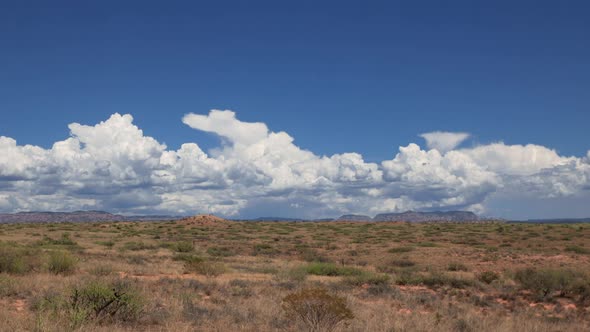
point(114, 166)
point(516, 159)
point(224, 123)
point(419, 179)
point(444, 141)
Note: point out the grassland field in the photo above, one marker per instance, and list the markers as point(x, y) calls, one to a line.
point(248, 276)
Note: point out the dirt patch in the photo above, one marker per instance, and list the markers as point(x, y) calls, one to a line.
point(19, 305)
point(15, 305)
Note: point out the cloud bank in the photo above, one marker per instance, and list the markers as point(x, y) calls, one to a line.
point(114, 166)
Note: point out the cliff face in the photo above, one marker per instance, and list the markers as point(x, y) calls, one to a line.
point(411, 216)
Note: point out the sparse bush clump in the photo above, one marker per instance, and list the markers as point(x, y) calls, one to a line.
point(95, 300)
point(240, 288)
point(183, 257)
point(330, 269)
point(64, 240)
point(578, 250)
point(488, 277)
point(368, 278)
point(115, 300)
point(205, 267)
point(441, 279)
point(61, 262)
point(402, 263)
point(264, 249)
point(398, 250)
point(432, 280)
point(220, 252)
point(457, 267)
point(16, 260)
point(317, 309)
point(183, 246)
point(311, 255)
point(12, 261)
point(135, 246)
point(7, 286)
point(544, 283)
point(102, 270)
point(108, 244)
point(291, 275)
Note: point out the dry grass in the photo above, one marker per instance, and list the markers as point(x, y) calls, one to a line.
point(230, 276)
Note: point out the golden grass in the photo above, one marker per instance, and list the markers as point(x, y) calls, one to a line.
point(435, 283)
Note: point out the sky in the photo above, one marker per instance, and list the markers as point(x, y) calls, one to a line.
point(295, 109)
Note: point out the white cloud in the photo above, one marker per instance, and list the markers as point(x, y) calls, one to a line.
point(444, 141)
point(516, 159)
point(224, 123)
point(114, 166)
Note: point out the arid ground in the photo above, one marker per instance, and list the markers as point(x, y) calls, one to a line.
point(208, 274)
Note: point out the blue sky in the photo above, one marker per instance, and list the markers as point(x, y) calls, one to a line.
point(345, 76)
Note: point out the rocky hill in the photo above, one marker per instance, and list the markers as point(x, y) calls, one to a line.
point(203, 220)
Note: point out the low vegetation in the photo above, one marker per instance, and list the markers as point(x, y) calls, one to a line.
point(317, 309)
point(290, 276)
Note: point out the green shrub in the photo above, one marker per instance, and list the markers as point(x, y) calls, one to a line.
point(17, 260)
point(7, 286)
point(317, 309)
point(488, 277)
point(204, 267)
point(240, 288)
point(578, 250)
point(264, 249)
point(108, 244)
point(220, 252)
point(427, 244)
point(402, 263)
point(61, 262)
point(311, 255)
point(435, 279)
point(543, 283)
point(102, 270)
point(398, 250)
point(183, 246)
point(330, 269)
point(457, 267)
point(64, 240)
point(441, 279)
point(115, 301)
point(368, 278)
point(297, 274)
point(135, 246)
point(12, 261)
point(188, 258)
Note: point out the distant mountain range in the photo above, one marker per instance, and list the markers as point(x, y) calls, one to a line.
point(412, 216)
point(554, 221)
point(76, 216)
point(354, 217)
point(408, 216)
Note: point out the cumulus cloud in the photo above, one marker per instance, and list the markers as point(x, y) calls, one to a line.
point(517, 159)
point(114, 166)
point(444, 141)
point(224, 123)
